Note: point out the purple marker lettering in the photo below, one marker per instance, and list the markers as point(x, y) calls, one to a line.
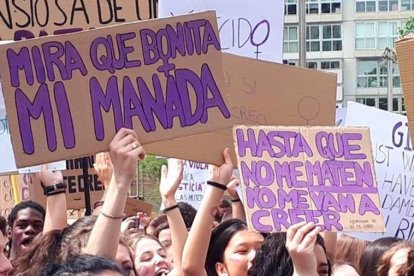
point(20, 61)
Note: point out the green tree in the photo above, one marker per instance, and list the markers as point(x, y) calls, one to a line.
point(151, 165)
point(408, 28)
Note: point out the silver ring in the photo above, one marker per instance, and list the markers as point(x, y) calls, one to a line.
point(133, 145)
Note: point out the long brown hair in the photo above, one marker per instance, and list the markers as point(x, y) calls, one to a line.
point(349, 250)
point(406, 269)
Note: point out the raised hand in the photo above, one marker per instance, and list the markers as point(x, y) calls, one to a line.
point(300, 243)
point(171, 178)
point(222, 174)
point(49, 178)
point(103, 168)
point(125, 152)
point(232, 187)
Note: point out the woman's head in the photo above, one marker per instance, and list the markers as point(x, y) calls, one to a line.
point(372, 254)
point(274, 259)
point(232, 247)
point(349, 250)
point(397, 261)
point(150, 257)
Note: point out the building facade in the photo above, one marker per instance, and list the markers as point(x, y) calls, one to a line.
point(348, 38)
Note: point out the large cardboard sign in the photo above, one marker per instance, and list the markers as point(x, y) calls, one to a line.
point(265, 93)
point(13, 189)
point(66, 96)
point(74, 178)
point(247, 28)
point(192, 187)
point(394, 166)
point(28, 19)
point(405, 49)
point(322, 175)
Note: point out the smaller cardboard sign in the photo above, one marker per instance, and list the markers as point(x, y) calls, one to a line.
point(13, 189)
point(260, 93)
point(323, 175)
point(405, 53)
point(73, 177)
point(133, 206)
point(29, 19)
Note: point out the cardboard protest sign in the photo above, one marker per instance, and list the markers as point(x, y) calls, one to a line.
point(12, 191)
point(66, 96)
point(247, 28)
point(260, 93)
point(405, 49)
point(73, 177)
point(394, 166)
point(323, 175)
point(133, 206)
point(7, 161)
point(29, 19)
point(192, 186)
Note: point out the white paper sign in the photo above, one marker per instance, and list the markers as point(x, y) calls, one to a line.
point(192, 187)
point(247, 28)
point(394, 164)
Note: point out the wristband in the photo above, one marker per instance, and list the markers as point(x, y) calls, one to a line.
point(110, 216)
point(170, 208)
point(217, 185)
point(56, 193)
point(98, 204)
point(49, 190)
point(236, 200)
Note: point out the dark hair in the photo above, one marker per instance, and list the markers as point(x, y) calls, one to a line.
point(155, 222)
point(274, 259)
point(159, 228)
point(23, 205)
point(3, 225)
point(82, 265)
point(225, 203)
point(372, 254)
point(188, 212)
point(220, 238)
point(55, 246)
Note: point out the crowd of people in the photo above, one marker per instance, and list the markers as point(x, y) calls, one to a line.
point(212, 241)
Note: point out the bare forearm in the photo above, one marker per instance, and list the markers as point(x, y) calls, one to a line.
point(196, 247)
point(56, 215)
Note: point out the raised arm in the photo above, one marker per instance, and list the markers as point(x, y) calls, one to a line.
point(103, 168)
point(236, 204)
point(125, 151)
point(170, 180)
point(56, 215)
point(196, 247)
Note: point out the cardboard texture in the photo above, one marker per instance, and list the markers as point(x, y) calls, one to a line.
point(394, 167)
point(13, 189)
point(73, 177)
point(29, 19)
point(67, 95)
point(405, 54)
point(261, 93)
point(323, 175)
point(133, 206)
point(248, 28)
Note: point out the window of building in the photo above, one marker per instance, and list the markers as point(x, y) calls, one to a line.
point(376, 35)
point(374, 74)
point(291, 7)
point(407, 5)
point(330, 6)
point(365, 35)
point(388, 5)
point(314, 6)
point(366, 6)
point(387, 34)
point(324, 64)
point(381, 102)
point(323, 38)
point(290, 39)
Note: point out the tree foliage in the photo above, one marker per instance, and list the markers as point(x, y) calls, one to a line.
point(151, 165)
point(408, 28)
